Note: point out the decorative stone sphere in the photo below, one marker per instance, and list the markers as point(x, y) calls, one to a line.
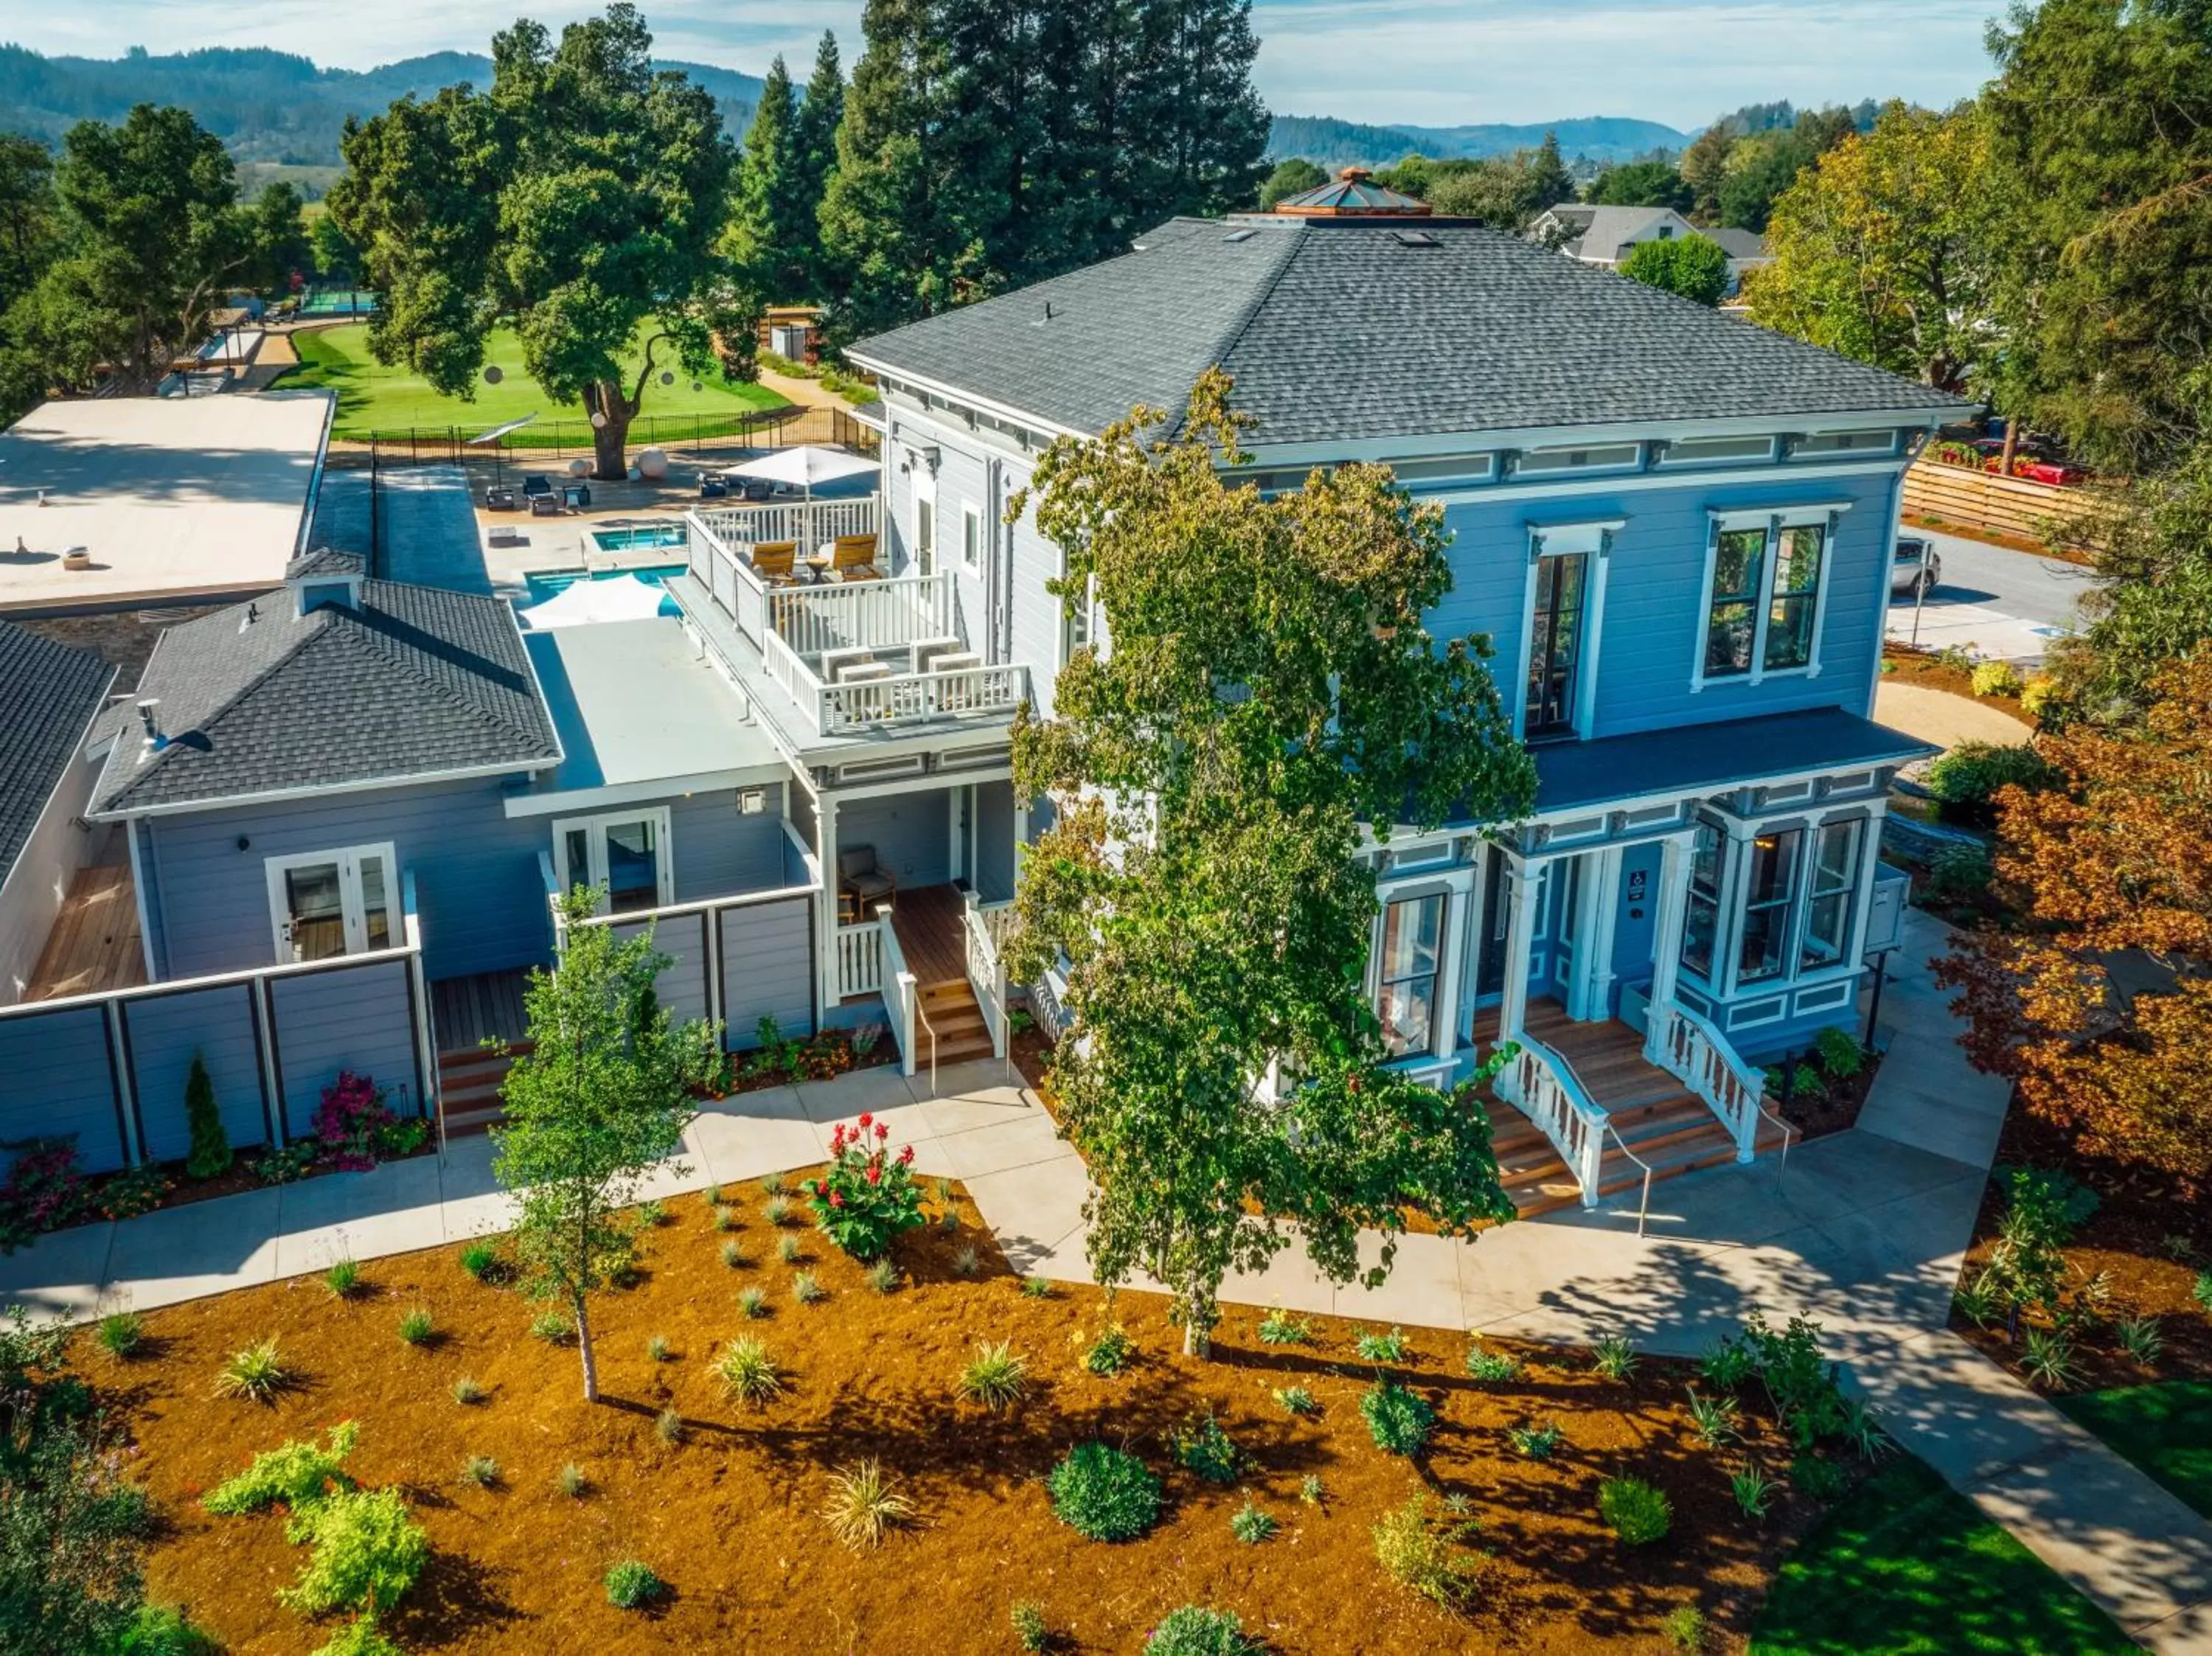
point(651, 463)
point(580, 467)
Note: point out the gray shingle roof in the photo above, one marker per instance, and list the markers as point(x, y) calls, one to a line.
point(417, 682)
point(1338, 330)
point(49, 694)
point(1730, 754)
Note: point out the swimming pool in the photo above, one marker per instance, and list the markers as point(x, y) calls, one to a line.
point(544, 585)
point(654, 532)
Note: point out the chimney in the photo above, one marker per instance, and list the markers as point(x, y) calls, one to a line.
point(150, 720)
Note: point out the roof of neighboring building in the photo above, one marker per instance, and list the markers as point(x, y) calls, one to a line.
point(49, 695)
point(1738, 245)
point(1353, 193)
point(636, 703)
point(170, 498)
point(1599, 232)
point(1344, 328)
point(415, 682)
point(1733, 753)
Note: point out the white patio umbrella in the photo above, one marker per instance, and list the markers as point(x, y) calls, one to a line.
point(618, 598)
point(803, 466)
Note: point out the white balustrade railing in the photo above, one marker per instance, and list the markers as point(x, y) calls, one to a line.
point(986, 969)
point(906, 697)
point(861, 959)
point(903, 996)
point(808, 523)
point(873, 614)
point(1544, 1087)
point(1697, 1055)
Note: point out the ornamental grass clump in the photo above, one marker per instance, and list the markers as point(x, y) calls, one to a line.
point(416, 1326)
point(1249, 1524)
point(1103, 1493)
point(1398, 1420)
point(1425, 1554)
point(257, 1373)
point(864, 1506)
point(122, 1334)
point(966, 1262)
point(1297, 1400)
point(482, 1261)
point(747, 1372)
point(1634, 1511)
point(868, 1196)
point(343, 1280)
point(996, 1376)
point(1615, 1359)
point(1193, 1630)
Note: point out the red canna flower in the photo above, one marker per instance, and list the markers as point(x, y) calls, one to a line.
point(866, 1119)
point(875, 1173)
point(882, 1131)
point(906, 1156)
point(836, 1198)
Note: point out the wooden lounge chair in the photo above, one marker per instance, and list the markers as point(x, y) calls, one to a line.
point(853, 557)
point(772, 560)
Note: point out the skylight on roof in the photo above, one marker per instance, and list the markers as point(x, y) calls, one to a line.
point(1239, 235)
point(1414, 239)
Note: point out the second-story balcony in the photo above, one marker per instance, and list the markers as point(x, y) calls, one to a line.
point(853, 654)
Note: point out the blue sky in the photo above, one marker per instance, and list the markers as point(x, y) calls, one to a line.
point(1429, 62)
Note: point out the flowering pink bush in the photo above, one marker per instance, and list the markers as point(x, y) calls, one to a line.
point(351, 1117)
point(44, 1190)
point(868, 1196)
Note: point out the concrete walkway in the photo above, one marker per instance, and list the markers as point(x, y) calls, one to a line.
point(1864, 1230)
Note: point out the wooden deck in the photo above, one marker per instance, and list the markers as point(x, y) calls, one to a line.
point(95, 942)
point(928, 921)
point(470, 1011)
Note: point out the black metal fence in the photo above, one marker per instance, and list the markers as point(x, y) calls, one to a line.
point(679, 435)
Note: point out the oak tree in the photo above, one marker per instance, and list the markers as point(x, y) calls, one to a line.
point(1267, 696)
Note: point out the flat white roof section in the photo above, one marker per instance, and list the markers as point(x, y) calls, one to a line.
point(173, 500)
point(641, 714)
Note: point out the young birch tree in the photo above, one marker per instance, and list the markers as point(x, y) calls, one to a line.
point(600, 1097)
point(1267, 688)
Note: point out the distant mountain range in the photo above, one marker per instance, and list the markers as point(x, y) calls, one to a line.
point(1329, 143)
point(266, 105)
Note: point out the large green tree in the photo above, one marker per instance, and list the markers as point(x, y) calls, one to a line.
point(1642, 184)
point(1893, 248)
point(2102, 114)
point(282, 248)
point(1270, 689)
point(582, 197)
point(1292, 176)
point(593, 1104)
point(30, 241)
point(1694, 267)
point(815, 135)
point(772, 236)
point(151, 240)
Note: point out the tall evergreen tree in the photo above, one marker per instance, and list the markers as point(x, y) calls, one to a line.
point(1200, 124)
point(772, 234)
point(816, 131)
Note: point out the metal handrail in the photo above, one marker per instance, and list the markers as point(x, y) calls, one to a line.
point(1790, 1132)
point(1643, 1210)
point(929, 1029)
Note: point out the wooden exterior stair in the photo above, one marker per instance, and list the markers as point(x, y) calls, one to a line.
point(949, 1005)
point(468, 1087)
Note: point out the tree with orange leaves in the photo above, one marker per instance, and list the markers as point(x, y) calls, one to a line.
point(2100, 1007)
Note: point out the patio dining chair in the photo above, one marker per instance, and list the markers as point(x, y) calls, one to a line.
point(860, 883)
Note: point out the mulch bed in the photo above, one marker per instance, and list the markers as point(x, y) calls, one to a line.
point(729, 1515)
point(1831, 1107)
point(2140, 1222)
point(1904, 664)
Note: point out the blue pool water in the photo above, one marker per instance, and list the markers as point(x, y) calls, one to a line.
point(543, 586)
point(629, 536)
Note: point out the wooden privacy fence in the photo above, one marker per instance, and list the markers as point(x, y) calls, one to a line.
point(110, 1068)
point(1982, 503)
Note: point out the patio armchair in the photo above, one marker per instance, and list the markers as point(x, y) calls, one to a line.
point(537, 483)
point(575, 495)
point(544, 505)
point(773, 560)
point(713, 488)
point(499, 498)
point(758, 490)
point(860, 883)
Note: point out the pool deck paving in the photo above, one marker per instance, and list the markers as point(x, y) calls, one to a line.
point(1863, 1230)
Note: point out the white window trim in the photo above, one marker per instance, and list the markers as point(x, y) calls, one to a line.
point(924, 500)
point(1455, 886)
point(349, 859)
point(971, 513)
point(1665, 459)
point(1826, 514)
point(597, 825)
point(1088, 606)
point(1593, 537)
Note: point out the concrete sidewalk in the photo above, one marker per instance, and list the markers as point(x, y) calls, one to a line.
point(1864, 1230)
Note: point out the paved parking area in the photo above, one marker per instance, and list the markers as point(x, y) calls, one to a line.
point(1993, 601)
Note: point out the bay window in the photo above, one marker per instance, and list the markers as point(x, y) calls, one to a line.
point(1702, 916)
point(1770, 885)
point(1832, 882)
point(1405, 996)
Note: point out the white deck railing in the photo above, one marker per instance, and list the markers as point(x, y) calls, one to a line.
point(1698, 1056)
point(902, 996)
point(873, 614)
point(808, 523)
point(980, 931)
point(861, 959)
point(1544, 1087)
point(908, 698)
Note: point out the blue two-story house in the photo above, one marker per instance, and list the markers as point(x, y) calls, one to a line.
point(1676, 527)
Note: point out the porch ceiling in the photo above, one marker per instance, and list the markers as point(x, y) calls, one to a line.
point(1705, 758)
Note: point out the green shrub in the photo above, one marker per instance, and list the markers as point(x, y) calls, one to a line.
point(1279, 1327)
point(1382, 1348)
point(417, 1327)
point(652, 1214)
point(631, 1585)
point(1422, 1554)
point(121, 1334)
point(1800, 1384)
point(1037, 1288)
point(1031, 1633)
point(161, 1630)
point(2042, 701)
point(1192, 1631)
point(343, 1280)
point(1398, 1420)
point(1250, 1525)
point(359, 1637)
point(1204, 1447)
point(256, 1373)
point(747, 1372)
point(553, 1327)
point(210, 1155)
point(1685, 1627)
point(1105, 1492)
point(482, 1261)
point(1493, 1367)
point(1841, 1055)
point(1309, 1490)
point(1111, 1352)
point(1537, 1442)
point(298, 1474)
point(367, 1552)
point(1753, 1491)
point(1995, 678)
point(2203, 1291)
point(1966, 779)
point(1960, 874)
point(997, 1376)
point(1634, 1511)
point(1819, 1477)
point(1729, 1363)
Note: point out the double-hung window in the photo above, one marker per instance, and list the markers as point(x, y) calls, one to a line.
point(1770, 887)
point(1555, 645)
point(1832, 883)
point(1701, 918)
point(971, 535)
point(1765, 592)
point(1412, 948)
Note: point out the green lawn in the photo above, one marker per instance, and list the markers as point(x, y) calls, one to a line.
point(374, 398)
point(2165, 1428)
point(1907, 1567)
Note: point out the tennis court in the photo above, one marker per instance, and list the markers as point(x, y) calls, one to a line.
point(336, 301)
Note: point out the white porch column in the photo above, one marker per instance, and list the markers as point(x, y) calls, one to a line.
point(1600, 903)
point(825, 820)
point(1667, 935)
point(1522, 885)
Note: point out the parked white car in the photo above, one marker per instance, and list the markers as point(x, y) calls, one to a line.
point(1916, 567)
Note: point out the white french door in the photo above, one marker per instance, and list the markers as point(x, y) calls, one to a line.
point(626, 852)
point(327, 903)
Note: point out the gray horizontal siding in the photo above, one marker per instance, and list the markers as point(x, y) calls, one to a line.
point(353, 1018)
point(165, 1031)
point(59, 1080)
point(994, 841)
point(911, 833)
point(768, 968)
point(720, 853)
point(681, 988)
